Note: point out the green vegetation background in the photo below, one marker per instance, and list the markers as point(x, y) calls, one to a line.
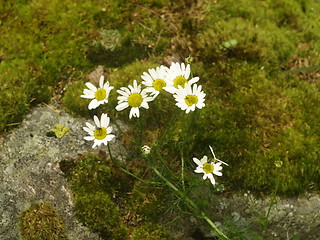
point(257, 112)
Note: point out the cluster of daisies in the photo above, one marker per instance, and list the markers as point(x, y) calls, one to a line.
point(174, 79)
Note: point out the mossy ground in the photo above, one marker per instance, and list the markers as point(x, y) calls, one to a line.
point(259, 111)
point(112, 203)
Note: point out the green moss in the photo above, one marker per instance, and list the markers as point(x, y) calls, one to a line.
point(151, 232)
point(108, 201)
point(41, 221)
point(239, 50)
point(91, 173)
point(267, 44)
point(74, 103)
point(148, 202)
point(100, 214)
point(256, 120)
point(38, 52)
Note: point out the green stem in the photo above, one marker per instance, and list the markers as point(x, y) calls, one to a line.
point(193, 205)
point(116, 163)
point(273, 202)
point(164, 163)
point(182, 173)
point(121, 131)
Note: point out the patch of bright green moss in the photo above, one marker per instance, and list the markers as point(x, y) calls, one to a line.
point(39, 50)
point(41, 221)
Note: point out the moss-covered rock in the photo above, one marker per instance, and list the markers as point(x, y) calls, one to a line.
point(109, 201)
point(252, 111)
point(91, 173)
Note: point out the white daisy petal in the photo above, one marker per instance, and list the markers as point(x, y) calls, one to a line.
point(88, 130)
point(109, 129)
point(122, 106)
point(193, 80)
point(104, 120)
point(89, 138)
point(90, 126)
point(198, 170)
point(93, 104)
point(187, 72)
point(96, 121)
point(197, 161)
point(101, 81)
point(88, 92)
point(110, 137)
point(87, 96)
point(144, 105)
point(210, 176)
point(204, 160)
point(91, 86)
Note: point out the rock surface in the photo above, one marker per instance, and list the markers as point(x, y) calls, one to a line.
point(288, 217)
point(29, 170)
point(29, 173)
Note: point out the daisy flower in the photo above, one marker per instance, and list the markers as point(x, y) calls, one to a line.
point(189, 97)
point(178, 75)
point(99, 95)
point(155, 80)
point(208, 168)
point(133, 97)
point(101, 132)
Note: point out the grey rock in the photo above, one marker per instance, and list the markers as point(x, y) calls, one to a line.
point(296, 216)
point(29, 170)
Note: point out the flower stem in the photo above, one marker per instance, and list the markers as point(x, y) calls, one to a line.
point(220, 234)
point(182, 172)
point(116, 163)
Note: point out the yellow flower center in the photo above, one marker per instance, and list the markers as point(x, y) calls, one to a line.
point(208, 168)
point(191, 100)
point(135, 99)
point(100, 94)
point(179, 81)
point(158, 84)
point(100, 133)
